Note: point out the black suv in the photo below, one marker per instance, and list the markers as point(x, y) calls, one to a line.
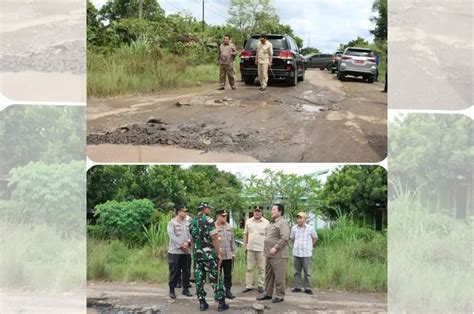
point(287, 64)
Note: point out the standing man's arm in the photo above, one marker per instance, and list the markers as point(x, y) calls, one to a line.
point(284, 237)
point(232, 244)
point(173, 237)
point(270, 53)
point(292, 234)
point(315, 237)
point(246, 236)
point(219, 55)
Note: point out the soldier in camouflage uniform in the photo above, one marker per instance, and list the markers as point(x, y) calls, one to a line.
point(207, 256)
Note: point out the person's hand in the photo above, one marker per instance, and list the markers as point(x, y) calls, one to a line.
point(270, 64)
point(273, 251)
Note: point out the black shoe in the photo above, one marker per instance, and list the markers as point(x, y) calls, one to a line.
point(172, 293)
point(187, 293)
point(260, 290)
point(264, 297)
point(277, 300)
point(222, 306)
point(221, 88)
point(179, 285)
point(296, 290)
point(229, 294)
point(308, 291)
point(203, 305)
point(247, 290)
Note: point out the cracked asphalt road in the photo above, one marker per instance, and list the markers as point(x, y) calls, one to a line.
point(319, 120)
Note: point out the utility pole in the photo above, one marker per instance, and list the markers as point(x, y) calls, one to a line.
point(203, 24)
point(140, 9)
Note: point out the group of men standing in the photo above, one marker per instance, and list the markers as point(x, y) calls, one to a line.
point(212, 245)
point(227, 53)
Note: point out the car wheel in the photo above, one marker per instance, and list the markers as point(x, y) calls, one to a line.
point(293, 81)
point(341, 76)
point(322, 69)
point(371, 79)
point(249, 80)
point(333, 71)
point(302, 76)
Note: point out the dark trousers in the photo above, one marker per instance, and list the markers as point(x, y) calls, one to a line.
point(178, 266)
point(180, 274)
point(226, 267)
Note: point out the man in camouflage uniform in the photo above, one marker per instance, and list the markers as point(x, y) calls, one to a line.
point(207, 256)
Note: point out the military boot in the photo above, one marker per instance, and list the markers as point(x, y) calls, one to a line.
point(222, 306)
point(228, 294)
point(203, 305)
point(172, 293)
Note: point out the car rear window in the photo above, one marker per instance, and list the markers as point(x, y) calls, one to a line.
point(277, 43)
point(359, 52)
point(338, 54)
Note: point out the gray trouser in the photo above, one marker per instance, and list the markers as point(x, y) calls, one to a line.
point(302, 264)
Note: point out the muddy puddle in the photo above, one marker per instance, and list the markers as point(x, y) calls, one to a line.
point(157, 153)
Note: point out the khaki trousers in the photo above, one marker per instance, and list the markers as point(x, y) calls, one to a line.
point(263, 74)
point(255, 259)
point(275, 274)
point(227, 70)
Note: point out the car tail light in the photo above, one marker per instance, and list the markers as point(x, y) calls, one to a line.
point(346, 58)
point(246, 54)
point(285, 54)
point(371, 60)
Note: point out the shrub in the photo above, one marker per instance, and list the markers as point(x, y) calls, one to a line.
point(238, 233)
point(125, 219)
point(98, 232)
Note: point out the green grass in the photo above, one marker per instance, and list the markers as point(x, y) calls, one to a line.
point(38, 257)
point(140, 68)
point(358, 263)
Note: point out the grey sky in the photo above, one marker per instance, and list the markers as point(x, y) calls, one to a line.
point(323, 23)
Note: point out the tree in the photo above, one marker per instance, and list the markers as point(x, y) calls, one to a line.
point(244, 13)
point(32, 133)
point(354, 190)
point(430, 149)
point(309, 50)
point(115, 10)
point(164, 185)
point(358, 42)
point(297, 193)
point(52, 194)
point(380, 19)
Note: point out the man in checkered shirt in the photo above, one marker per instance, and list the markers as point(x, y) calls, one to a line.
point(304, 238)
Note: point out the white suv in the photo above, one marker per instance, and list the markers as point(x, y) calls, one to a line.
point(358, 62)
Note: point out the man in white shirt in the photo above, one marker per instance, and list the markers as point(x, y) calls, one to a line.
point(304, 238)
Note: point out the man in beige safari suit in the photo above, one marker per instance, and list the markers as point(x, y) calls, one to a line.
point(227, 52)
point(263, 60)
point(254, 238)
point(276, 253)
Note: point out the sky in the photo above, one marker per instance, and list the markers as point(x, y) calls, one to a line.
point(323, 24)
point(246, 170)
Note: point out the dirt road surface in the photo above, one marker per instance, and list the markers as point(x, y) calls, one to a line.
point(319, 120)
point(427, 40)
point(154, 299)
point(43, 50)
